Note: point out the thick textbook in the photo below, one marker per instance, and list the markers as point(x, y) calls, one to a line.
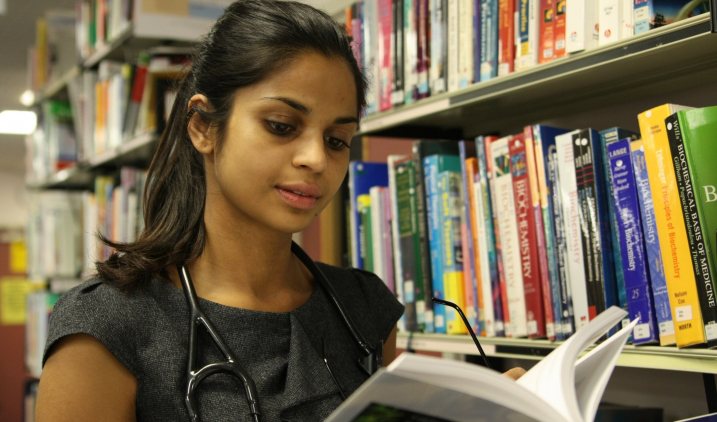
point(560, 388)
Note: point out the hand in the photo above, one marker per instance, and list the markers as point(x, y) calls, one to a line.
point(514, 373)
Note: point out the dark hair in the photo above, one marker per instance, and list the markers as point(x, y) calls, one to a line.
point(252, 39)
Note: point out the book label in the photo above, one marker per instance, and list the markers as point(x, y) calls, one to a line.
point(641, 331)
point(683, 313)
point(711, 331)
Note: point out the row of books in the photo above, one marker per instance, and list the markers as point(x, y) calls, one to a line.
point(411, 49)
point(99, 22)
point(53, 145)
point(53, 52)
point(63, 225)
point(39, 308)
point(535, 234)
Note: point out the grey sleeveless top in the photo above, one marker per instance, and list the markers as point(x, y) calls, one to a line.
point(147, 331)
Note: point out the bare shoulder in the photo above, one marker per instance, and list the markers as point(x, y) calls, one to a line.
point(83, 381)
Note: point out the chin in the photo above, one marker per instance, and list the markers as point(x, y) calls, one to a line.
point(293, 223)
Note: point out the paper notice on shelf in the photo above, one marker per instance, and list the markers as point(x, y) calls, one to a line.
point(18, 257)
point(13, 291)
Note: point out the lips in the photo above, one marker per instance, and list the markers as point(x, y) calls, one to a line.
point(299, 195)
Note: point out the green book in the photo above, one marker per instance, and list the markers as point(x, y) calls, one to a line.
point(692, 135)
point(364, 205)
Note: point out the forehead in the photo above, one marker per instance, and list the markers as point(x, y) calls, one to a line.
point(324, 84)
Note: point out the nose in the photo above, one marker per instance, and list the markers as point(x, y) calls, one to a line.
point(311, 152)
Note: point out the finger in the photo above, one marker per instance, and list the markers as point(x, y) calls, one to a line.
point(514, 373)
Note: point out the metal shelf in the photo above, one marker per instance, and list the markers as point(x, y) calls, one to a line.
point(652, 357)
point(667, 59)
point(54, 88)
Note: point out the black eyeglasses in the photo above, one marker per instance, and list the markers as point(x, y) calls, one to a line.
point(468, 325)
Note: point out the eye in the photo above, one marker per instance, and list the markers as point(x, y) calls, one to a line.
point(335, 143)
point(279, 128)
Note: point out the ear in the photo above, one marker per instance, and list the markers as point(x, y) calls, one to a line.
point(199, 131)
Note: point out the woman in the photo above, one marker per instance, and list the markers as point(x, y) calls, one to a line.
point(256, 146)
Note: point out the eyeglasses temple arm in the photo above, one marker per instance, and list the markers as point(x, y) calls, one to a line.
point(468, 325)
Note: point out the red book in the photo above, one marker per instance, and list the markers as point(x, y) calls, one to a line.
point(506, 37)
point(527, 241)
point(494, 209)
point(423, 48)
point(546, 42)
point(539, 232)
point(385, 28)
point(559, 27)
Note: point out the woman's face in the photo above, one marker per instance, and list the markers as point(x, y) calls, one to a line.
point(286, 145)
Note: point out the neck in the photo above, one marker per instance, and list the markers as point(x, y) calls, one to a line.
point(247, 265)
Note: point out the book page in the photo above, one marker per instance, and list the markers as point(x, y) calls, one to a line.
point(553, 378)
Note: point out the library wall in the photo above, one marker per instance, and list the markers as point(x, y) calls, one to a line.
point(13, 212)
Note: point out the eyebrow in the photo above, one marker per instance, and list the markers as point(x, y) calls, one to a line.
point(306, 110)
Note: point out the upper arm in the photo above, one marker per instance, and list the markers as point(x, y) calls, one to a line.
point(83, 381)
point(389, 348)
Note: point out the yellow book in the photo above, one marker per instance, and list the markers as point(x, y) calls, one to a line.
point(679, 273)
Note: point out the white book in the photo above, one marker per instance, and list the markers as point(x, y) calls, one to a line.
point(571, 215)
point(466, 12)
point(508, 227)
point(526, 61)
point(479, 208)
point(453, 48)
point(437, 80)
point(370, 52)
point(582, 25)
point(628, 19)
point(396, 239)
point(560, 388)
point(410, 49)
point(376, 238)
point(611, 20)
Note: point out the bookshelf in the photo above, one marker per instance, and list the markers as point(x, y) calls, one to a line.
point(648, 357)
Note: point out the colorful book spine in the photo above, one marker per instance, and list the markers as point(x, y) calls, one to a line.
point(370, 52)
point(409, 245)
point(377, 244)
point(424, 60)
point(397, 60)
point(690, 183)
point(385, 31)
point(453, 49)
point(560, 21)
point(488, 39)
point(410, 51)
point(439, 46)
point(465, 42)
point(652, 244)
point(545, 155)
point(509, 238)
point(362, 176)
point(632, 246)
point(528, 34)
point(681, 283)
point(484, 297)
point(546, 41)
point(527, 243)
point(506, 37)
point(365, 251)
point(573, 236)
point(477, 41)
point(392, 162)
point(490, 284)
point(471, 263)
point(452, 259)
point(608, 136)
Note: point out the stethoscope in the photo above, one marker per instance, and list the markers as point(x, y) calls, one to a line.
point(370, 361)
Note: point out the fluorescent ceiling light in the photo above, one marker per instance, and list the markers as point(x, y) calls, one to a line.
point(27, 97)
point(16, 122)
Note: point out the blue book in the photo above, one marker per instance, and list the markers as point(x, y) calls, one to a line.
point(652, 245)
point(498, 325)
point(432, 166)
point(488, 39)
point(467, 149)
point(632, 247)
point(606, 137)
point(362, 177)
point(545, 156)
point(476, 40)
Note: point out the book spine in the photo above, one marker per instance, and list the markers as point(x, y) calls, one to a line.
point(487, 245)
point(545, 284)
point(560, 22)
point(522, 41)
point(582, 25)
point(450, 219)
point(410, 48)
point(453, 51)
point(634, 264)
point(477, 41)
point(465, 42)
point(409, 267)
point(695, 233)
point(439, 46)
point(546, 41)
point(393, 182)
point(471, 262)
point(423, 254)
point(509, 241)
point(641, 15)
point(370, 23)
point(506, 37)
point(652, 245)
point(610, 21)
point(628, 18)
point(573, 236)
point(561, 245)
point(489, 40)
point(528, 248)
point(387, 238)
point(681, 283)
point(477, 231)
point(364, 209)
point(423, 49)
point(376, 232)
point(385, 79)
point(546, 214)
point(430, 168)
point(398, 62)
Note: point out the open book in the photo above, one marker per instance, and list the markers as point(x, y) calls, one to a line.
point(560, 388)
